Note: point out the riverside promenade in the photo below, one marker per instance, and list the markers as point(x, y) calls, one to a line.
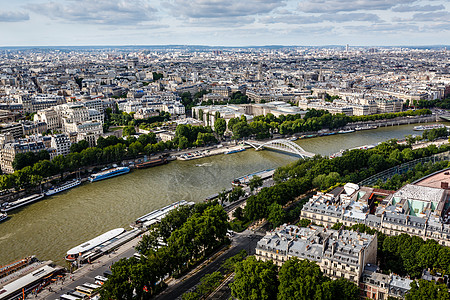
point(87, 272)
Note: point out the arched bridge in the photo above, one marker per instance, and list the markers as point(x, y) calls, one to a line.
point(281, 145)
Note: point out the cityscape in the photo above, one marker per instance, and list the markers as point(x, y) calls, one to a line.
point(250, 150)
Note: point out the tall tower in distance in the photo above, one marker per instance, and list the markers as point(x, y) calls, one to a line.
point(346, 48)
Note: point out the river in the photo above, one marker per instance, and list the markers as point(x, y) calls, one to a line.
point(55, 224)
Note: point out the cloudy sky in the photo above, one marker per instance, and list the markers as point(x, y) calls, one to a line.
point(224, 22)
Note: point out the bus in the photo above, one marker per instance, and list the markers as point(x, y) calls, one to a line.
point(91, 285)
point(85, 290)
point(77, 294)
point(100, 279)
point(68, 297)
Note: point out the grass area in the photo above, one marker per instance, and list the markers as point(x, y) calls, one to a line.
point(116, 128)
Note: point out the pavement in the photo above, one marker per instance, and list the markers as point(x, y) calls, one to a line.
point(87, 272)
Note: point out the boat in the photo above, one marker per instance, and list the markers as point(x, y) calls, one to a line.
point(263, 174)
point(73, 253)
point(346, 131)
point(67, 185)
point(152, 163)
point(234, 150)
point(109, 173)
point(3, 216)
point(428, 127)
point(21, 202)
point(367, 127)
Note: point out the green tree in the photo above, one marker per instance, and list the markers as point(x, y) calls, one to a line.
point(129, 130)
point(276, 214)
point(344, 289)
point(220, 126)
point(427, 290)
point(255, 182)
point(118, 285)
point(301, 279)
point(255, 280)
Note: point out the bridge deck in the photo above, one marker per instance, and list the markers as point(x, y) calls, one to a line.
point(281, 145)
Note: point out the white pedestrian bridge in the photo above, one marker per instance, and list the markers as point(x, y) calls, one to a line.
point(282, 145)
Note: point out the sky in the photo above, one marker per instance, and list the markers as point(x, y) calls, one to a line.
point(224, 22)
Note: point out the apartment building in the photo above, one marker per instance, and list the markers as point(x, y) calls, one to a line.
point(9, 151)
point(414, 209)
point(61, 143)
point(339, 253)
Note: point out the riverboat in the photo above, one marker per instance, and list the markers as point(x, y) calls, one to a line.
point(234, 150)
point(346, 131)
point(152, 163)
point(264, 174)
point(109, 173)
point(65, 186)
point(73, 253)
point(3, 217)
point(428, 127)
point(367, 127)
point(21, 202)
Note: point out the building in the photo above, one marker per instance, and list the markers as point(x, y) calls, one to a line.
point(31, 128)
point(339, 253)
point(10, 150)
point(50, 117)
point(15, 129)
point(378, 286)
point(414, 209)
point(61, 143)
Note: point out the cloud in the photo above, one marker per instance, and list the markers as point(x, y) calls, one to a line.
point(104, 12)
point(13, 16)
point(409, 8)
point(209, 9)
point(443, 16)
point(311, 19)
point(386, 28)
point(332, 6)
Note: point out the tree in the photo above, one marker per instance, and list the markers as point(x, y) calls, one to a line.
point(118, 285)
point(301, 280)
point(236, 193)
point(276, 214)
point(135, 148)
point(344, 289)
point(255, 280)
point(220, 126)
point(129, 130)
point(80, 146)
point(427, 290)
point(255, 182)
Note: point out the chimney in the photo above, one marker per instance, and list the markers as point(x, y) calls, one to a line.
point(444, 185)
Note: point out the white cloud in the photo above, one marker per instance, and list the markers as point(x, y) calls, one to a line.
point(13, 16)
point(222, 9)
point(106, 12)
point(331, 6)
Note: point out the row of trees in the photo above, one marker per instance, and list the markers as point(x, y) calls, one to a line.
point(296, 279)
point(314, 120)
point(111, 149)
point(189, 136)
point(204, 230)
